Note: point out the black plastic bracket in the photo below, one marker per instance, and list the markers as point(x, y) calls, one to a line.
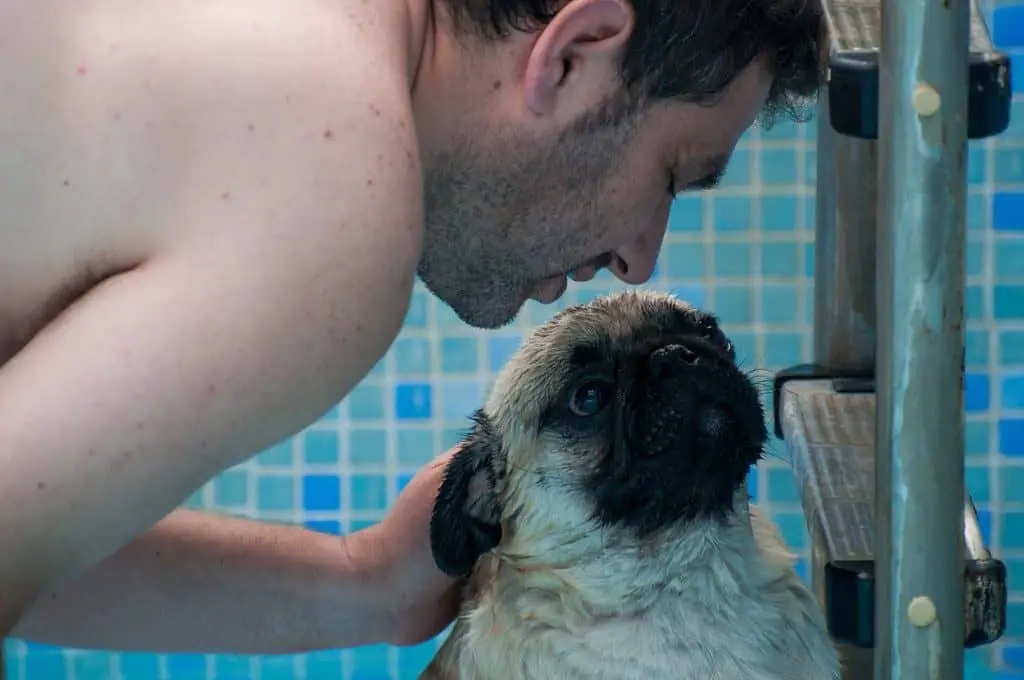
point(843, 382)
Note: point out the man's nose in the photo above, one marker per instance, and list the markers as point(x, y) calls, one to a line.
point(634, 262)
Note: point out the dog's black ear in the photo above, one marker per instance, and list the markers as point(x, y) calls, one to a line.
point(466, 522)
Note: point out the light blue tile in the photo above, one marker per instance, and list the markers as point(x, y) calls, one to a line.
point(684, 260)
point(782, 486)
point(732, 213)
point(1011, 347)
point(366, 402)
point(459, 355)
point(780, 304)
point(279, 455)
point(231, 488)
point(733, 304)
point(780, 260)
point(1012, 387)
point(227, 667)
point(976, 478)
point(1011, 484)
point(976, 347)
point(1009, 255)
point(500, 349)
point(278, 667)
point(778, 166)
point(186, 665)
point(275, 493)
point(782, 350)
point(367, 446)
point(321, 447)
point(413, 660)
point(686, 214)
point(412, 356)
point(93, 665)
point(692, 294)
point(415, 447)
point(460, 399)
point(779, 213)
point(369, 492)
point(975, 261)
point(732, 260)
point(976, 438)
point(1008, 301)
point(792, 529)
point(738, 172)
point(416, 317)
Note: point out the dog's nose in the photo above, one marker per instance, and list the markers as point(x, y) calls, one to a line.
point(665, 360)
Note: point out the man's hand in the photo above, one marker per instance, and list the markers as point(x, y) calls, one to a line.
point(423, 600)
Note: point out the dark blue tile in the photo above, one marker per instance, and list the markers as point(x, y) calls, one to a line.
point(1011, 436)
point(1013, 655)
point(779, 213)
point(800, 567)
point(985, 525)
point(694, 295)
point(1008, 302)
point(321, 492)
point(413, 401)
point(1012, 396)
point(324, 526)
point(686, 214)
point(752, 483)
point(186, 665)
point(976, 392)
point(500, 349)
point(1008, 211)
point(732, 213)
point(1008, 25)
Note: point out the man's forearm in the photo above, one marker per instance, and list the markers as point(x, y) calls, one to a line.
point(214, 584)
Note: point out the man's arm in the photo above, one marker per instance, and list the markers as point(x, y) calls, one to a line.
point(214, 584)
point(286, 272)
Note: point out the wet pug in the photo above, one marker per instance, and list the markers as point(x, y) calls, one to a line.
point(599, 511)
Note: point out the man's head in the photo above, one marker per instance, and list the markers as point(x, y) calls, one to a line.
point(617, 422)
point(555, 133)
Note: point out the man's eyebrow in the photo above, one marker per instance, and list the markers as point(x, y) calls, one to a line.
point(714, 170)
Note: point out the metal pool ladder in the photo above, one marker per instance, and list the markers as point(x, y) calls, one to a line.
point(874, 425)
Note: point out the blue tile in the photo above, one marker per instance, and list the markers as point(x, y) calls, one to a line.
point(93, 665)
point(976, 163)
point(460, 398)
point(500, 349)
point(1012, 396)
point(738, 172)
point(809, 260)
point(367, 446)
point(985, 525)
point(1013, 655)
point(186, 665)
point(46, 665)
point(1008, 25)
point(137, 666)
point(1011, 484)
point(683, 260)
point(977, 480)
point(1012, 529)
point(976, 438)
point(415, 447)
point(778, 166)
point(413, 660)
point(459, 355)
point(276, 494)
point(279, 455)
point(1008, 211)
point(1008, 165)
point(321, 447)
point(1016, 66)
point(782, 487)
point(976, 392)
point(1011, 436)
point(975, 260)
point(369, 492)
point(782, 350)
point(402, 480)
point(278, 667)
point(416, 316)
point(366, 402)
point(1008, 302)
point(231, 488)
point(1009, 256)
point(369, 660)
point(752, 477)
point(231, 667)
point(976, 213)
point(324, 665)
point(746, 348)
point(779, 304)
point(694, 295)
point(733, 304)
point(781, 260)
point(976, 346)
point(732, 213)
point(792, 529)
point(782, 130)
point(412, 356)
point(413, 401)
point(1011, 347)
point(779, 213)
point(324, 526)
point(321, 492)
point(686, 214)
point(732, 260)
point(974, 303)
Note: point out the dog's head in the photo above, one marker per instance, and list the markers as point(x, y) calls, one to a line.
point(626, 415)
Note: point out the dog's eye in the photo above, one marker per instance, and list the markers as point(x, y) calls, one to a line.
point(590, 398)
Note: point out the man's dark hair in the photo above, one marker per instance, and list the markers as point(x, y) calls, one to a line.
point(691, 49)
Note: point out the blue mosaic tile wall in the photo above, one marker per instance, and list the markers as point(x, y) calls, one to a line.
point(744, 251)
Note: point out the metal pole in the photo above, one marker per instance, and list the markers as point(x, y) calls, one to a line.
point(844, 295)
point(921, 242)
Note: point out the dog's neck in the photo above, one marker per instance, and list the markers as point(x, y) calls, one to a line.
point(594, 571)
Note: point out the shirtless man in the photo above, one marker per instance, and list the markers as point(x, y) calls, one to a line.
point(211, 216)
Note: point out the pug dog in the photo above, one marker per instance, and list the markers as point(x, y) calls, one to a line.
point(598, 513)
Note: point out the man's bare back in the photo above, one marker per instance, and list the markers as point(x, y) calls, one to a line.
point(211, 216)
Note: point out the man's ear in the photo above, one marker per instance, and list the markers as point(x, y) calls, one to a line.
point(466, 522)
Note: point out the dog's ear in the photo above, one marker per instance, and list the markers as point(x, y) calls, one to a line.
point(466, 522)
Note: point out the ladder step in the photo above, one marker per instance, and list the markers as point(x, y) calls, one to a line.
point(854, 41)
point(829, 428)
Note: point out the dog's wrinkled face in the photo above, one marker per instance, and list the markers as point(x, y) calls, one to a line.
point(627, 414)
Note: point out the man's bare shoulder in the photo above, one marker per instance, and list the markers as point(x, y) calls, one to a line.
point(139, 129)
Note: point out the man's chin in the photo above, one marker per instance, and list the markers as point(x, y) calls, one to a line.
point(488, 317)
